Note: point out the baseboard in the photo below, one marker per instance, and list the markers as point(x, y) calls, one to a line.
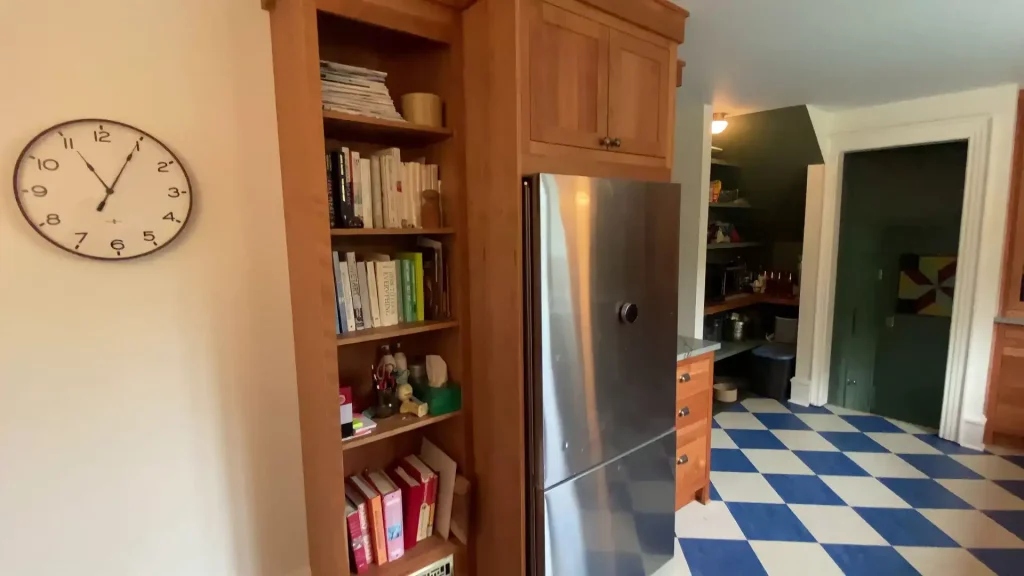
point(800, 392)
point(972, 432)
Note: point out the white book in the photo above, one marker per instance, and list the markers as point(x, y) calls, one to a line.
point(385, 190)
point(357, 195)
point(387, 292)
point(378, 209)
point(366, 190)
point(371, 283)
point(391, 192)
point(404, 194)
point(353, 282)
point(344, 292)
point(364, 291)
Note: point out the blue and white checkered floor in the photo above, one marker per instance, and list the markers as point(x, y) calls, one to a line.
point(822, 491)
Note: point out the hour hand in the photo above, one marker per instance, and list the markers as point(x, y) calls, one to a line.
point(93, 170)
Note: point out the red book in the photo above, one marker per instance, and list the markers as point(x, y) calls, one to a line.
point(374, 515)
point(426, 476)
point(358, 539)
point(415, 508)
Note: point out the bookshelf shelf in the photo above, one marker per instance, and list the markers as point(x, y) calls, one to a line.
point(727, 245)
point(379, 131)
point(391, 231)
point(423, 554)
point(395, 425)
point(406, 329)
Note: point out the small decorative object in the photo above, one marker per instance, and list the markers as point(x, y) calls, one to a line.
point(926, 285)
point(430, 209)
point(417, 374)
point(404, 392)
point(400, 361)
point(387, 403)
point(345, 402)
point(102, 189)
point(422, 108)
point(414, 407)
point(715, 190)
point(437, 371)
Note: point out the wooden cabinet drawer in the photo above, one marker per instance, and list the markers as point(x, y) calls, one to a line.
point(693, 376)
point(693, 414)
point(691, 463)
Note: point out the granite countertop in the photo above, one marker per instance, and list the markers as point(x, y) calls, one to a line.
point(691, 347)
point(1006, 320)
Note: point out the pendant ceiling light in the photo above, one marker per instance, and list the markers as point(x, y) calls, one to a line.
point(718, 123)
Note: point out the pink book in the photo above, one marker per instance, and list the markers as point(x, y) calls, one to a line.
point(391, 498)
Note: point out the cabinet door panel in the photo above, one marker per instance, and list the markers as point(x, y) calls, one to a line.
point(568, 79)
point(1013, 263)
point(639, 94)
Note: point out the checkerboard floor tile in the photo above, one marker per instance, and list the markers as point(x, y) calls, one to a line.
point(828, 491)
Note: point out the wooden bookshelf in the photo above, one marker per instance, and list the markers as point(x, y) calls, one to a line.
point(380, 131)
point(391, 231)
point(391, 332)
point(418, 43)
point(423, 554)
point(397, 424)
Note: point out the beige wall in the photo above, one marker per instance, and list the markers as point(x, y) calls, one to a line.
point(148, 414)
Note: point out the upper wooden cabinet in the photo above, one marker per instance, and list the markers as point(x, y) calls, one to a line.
point(1013, 257)
point(569, 79)
point(596, 82)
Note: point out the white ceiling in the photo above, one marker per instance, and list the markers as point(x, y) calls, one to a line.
point(749, 55)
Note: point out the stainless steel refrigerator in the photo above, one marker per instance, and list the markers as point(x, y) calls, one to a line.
point(601, 261)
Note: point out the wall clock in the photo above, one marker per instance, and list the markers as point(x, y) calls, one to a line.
point(102, 189)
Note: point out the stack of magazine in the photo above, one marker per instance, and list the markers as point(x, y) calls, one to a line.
point(356, 90)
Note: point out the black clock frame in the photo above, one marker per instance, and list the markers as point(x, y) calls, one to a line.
point(17, 196)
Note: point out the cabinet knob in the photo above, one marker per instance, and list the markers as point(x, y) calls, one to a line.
point(685, 377)
point(606, 141)
point(616, 143)
point(683, 459)
point(684, 411)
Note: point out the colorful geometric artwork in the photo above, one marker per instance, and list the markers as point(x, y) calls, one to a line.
point(926, 285)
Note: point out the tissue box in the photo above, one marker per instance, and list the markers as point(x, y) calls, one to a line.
point(440, 400)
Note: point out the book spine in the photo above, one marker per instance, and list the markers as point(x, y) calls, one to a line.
point(344, 191)
point(387, 293)
point(399, 186)
point(355, 541)
point(348, 181)
point(400, 281)
point(366, 190)
point(341, 289)
point(408, 291)
point(417, 261)
point(353, 278)
point(364, 294)
point(393, 522)
point(357, 192)
point(377, 527)
point(378, 209)
point(330, 191)
point(371, 285)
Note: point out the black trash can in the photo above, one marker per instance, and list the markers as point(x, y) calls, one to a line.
point(773, 367)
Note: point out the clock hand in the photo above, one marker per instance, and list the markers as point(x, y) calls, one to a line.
point(123, 166)
point(109, 190)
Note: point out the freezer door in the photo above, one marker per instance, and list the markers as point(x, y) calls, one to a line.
point(617, 519)
point(602, 273)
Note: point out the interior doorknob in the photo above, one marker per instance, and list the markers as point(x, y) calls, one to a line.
point(616, 143)
point(606, 141)
point(628, 313)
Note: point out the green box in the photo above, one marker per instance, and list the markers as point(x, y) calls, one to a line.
point(440, 400)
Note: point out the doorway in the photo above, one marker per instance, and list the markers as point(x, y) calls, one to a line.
point(899, 234)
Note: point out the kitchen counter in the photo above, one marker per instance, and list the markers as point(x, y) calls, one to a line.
point(1007, 320)
point(692, 347)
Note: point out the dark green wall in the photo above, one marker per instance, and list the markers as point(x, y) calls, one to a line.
point(895, 201)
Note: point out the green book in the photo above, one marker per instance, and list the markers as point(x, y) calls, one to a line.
point(417, 262)
point(408, 291)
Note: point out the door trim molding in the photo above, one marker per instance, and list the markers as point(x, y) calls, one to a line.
point(976, 130)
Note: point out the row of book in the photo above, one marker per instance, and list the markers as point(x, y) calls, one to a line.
point(388, 513)
point(380, 191)
point(356, 90)
point(374, 290)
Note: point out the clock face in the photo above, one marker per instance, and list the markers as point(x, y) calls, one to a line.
point(102, 189)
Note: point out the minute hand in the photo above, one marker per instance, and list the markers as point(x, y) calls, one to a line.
point(123, 166)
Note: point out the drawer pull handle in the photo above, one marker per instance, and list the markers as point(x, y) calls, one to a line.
point(685, 377)
point(684, 411)
point(683, 459)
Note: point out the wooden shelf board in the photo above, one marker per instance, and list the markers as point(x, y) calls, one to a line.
point(423, 554)
point(353, 126)
point(718, 162)
point(724, 245)
point(744, 300)
point(395, 425)
point(405, 329)
point(730, 349)
point(391, 231)
point(730, 205)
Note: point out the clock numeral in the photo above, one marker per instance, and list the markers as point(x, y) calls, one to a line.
point(69, 143)
point(53, 219)
point(174, 192)
point(137, 149)
point(163, 166)
point(117, 245)
point(101, 135)
point(148, 236)
point(38, 191)
point(47, 164)
point(170, 216)
point(80, 240)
